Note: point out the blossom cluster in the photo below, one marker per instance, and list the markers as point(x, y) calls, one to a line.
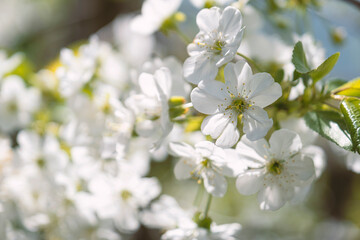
point(79, 137)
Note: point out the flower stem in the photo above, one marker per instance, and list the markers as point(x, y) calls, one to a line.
point(207, 207)
point(182, 35)
point(251, 62)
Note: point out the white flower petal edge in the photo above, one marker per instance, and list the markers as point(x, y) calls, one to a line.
point(276, 170)
point(242, 94)
point(215, 45)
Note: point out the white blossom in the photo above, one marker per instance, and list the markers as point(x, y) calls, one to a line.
point(206, 162)
point(153, 15)
point(17, 103)
point(151, 106)
point(120, 198)
point(243, 94)
point(215, 45)
point(276, 169)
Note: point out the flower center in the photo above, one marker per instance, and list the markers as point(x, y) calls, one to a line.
point(205, 163)
point(40, 162)
point(125, 195)
point(239, 105)
point(12, 107)
point(275, 167)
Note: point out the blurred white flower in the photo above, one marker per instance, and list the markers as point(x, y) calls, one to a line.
point(120, 198)
point(165, 213)
point(17, 103)
point(153, 14)
point(77, 68)
point(151, 107)
point(8, 64)
point(136, 48)
point(216, 232)
point(215, 45)
point(42, 152)
point(178, 87)
point(276, 169)
point(206, 162)
point(243, 94)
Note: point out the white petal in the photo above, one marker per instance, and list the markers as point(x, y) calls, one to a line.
point(127, 220)
point(214, 125)
point(208, 19)
point(181, 149)
point(205, 148)
point(256, 123)
point(230, 21)
point(271, 198)
point(231, 73)
point(199, 67)
point(234, 165)
point(302, 166)
point(147, 85)
point(250, 181)
point(244, 76)
point(163, 80)
point(144, 25)
point(253, 153)
point(317, 154)
point(284, 143)
point(204, 102)
point(214, 183)
point(264, 91)
point(230, 136)
point(183, 169)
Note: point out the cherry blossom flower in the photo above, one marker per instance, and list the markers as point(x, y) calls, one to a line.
point(206, 162)
point(243, 94)
point(276, 169)
point(151, 106)
point(17, 103)
point(215, 45)
point(153, 15)
point(120, 198)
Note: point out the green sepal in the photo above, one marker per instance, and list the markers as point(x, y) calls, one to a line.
point(201, 221)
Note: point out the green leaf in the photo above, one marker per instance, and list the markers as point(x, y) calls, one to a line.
point(299, 59)
point(331, 126)
point(350, 107)
point(324, 68)
point(350, 89)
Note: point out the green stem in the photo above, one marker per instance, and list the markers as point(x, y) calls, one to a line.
point(182, 35)
point(207, 207)
point(251, 62)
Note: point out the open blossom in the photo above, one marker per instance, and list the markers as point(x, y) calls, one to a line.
point(151, 106)
point(206, 162)
point(77, 70)
point(120, 198)
point(153, 15)
point(243, 94)
point(215, 45)
point(17, 103)
point(276, 169)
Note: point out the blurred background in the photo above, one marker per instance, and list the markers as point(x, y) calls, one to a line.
point(40, 28)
